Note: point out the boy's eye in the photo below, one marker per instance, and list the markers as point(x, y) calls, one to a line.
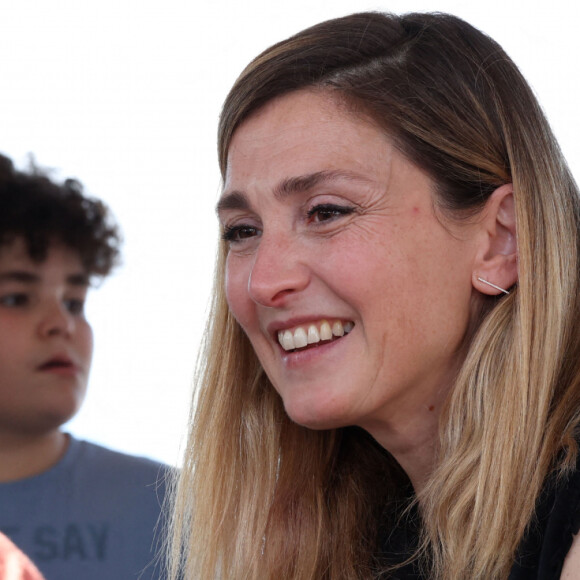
point(75, 306)
point(14, 300)
point(325, 212)
point(235, 234)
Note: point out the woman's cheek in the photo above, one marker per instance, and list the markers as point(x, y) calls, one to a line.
point(236, 287)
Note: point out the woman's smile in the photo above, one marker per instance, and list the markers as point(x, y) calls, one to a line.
point(313, 334)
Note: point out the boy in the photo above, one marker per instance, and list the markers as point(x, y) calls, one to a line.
point(79, 511)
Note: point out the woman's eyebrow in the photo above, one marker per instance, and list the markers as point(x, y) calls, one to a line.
point(289, 186)
point(232, 200)
point(303, 183)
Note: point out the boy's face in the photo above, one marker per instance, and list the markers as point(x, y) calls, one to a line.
point(45, 342)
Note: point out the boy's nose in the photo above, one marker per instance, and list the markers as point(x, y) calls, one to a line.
point(56, 321)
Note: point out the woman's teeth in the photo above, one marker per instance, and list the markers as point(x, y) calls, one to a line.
point(302, 336)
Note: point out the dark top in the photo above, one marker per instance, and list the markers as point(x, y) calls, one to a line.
point(540, 555)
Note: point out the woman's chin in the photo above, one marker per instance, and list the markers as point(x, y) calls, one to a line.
point(317, 414)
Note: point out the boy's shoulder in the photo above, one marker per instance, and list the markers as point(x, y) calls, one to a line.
point(87, 451)
point(96, 462)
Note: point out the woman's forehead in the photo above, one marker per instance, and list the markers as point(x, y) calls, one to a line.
point(303, 134)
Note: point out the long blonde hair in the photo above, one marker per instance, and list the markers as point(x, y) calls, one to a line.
point(260, 497)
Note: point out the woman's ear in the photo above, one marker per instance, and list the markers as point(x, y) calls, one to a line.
point(495, 268)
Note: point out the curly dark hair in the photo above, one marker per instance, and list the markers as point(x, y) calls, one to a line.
point(42, 211)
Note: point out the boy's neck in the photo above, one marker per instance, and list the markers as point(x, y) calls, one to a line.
point(23, 456)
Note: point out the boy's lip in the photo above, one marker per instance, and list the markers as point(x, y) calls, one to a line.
point(59, 363)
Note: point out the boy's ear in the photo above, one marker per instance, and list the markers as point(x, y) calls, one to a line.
point(496, 260)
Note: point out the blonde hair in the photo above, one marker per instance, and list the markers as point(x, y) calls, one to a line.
point(260, 497)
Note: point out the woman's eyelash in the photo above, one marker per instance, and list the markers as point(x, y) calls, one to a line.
point(328, 211)
point(237, 233)
point(324, 212)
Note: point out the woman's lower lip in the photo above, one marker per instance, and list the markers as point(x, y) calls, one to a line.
point(312, 352)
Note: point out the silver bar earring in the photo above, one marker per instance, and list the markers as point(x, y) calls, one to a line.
point(492, 285)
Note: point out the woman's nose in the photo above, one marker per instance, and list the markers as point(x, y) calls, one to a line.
point(56, 320)
point(278, 272)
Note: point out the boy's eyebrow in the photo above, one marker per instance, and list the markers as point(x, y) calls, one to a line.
point(80, 279)
point(238, 200)
point(19, 276)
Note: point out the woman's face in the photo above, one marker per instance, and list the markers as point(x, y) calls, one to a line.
point(330, 229)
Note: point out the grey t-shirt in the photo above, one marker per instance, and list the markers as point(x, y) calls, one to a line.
point(93, 516)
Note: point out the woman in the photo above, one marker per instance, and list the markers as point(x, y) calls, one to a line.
point(390, 385)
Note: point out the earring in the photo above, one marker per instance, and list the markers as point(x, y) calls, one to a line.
point(492, 285)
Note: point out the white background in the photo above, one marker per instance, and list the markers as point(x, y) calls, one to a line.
point(125, 95)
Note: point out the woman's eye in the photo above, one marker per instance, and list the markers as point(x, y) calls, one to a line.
point(326, 212)
point(14, 300)
point(75, 306)
point(233, 234)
